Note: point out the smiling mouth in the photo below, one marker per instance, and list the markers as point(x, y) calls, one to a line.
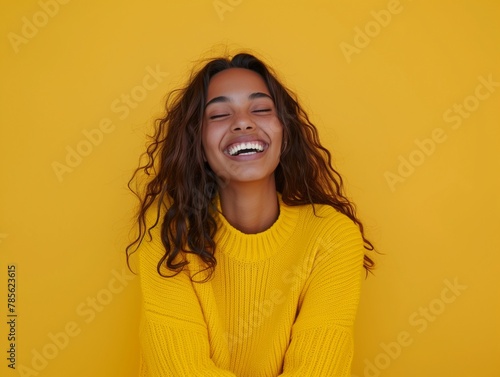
point(244, 149)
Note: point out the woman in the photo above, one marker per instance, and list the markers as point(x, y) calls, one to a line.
point(251, 257)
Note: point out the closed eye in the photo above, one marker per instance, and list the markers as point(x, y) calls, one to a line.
point(262, 110)
point(216, 116)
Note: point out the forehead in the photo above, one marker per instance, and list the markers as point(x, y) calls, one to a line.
point(234, 80)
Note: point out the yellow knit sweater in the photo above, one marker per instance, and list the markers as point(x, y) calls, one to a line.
point(281, 302)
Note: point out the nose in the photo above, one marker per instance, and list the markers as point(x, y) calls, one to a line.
point(242, 123)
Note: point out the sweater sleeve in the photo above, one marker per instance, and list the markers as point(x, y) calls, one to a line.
point(173, 336)
point(322, 338)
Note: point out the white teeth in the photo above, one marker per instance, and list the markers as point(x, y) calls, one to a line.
point(253, 147)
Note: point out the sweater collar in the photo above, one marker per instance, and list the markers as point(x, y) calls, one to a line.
point(259, 246)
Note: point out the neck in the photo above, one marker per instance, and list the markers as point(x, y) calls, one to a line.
point(250, 207)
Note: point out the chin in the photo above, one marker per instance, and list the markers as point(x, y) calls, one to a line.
point(251, 178)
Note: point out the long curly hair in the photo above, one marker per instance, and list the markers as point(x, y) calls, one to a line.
point(174, 171)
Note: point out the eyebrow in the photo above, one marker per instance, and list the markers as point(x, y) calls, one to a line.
point(226, 99)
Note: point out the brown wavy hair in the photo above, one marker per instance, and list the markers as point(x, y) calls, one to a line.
point(174, 170)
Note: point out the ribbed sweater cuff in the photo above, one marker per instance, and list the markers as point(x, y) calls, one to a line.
point(324, 351)
point(188, 354)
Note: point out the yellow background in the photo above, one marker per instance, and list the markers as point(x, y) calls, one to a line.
point(437, 225)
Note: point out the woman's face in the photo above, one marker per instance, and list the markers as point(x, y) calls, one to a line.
point(241, 132)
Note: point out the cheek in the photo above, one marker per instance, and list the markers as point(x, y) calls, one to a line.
point(210, 144)
point(277, 132)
